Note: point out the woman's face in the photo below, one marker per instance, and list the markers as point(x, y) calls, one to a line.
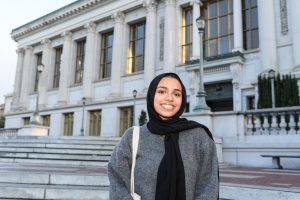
point(168, 97)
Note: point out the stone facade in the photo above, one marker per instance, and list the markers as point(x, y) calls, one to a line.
point(88, 20)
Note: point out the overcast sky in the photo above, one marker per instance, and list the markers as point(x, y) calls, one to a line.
point(12, 15)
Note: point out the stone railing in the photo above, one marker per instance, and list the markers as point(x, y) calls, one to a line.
point(277, 121)
point(8, 132)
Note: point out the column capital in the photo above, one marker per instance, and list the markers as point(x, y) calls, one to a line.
point(90, 26)
point(67, 34)
point(170, 2)
point(150, 5)
point(46, 42)
point(118, 17)
point(28, 48)
point(192, 2)
point(20, 51)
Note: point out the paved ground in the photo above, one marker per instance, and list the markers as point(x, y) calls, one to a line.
point(260, 177)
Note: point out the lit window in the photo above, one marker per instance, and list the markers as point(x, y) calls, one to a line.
point(187, 34)
point(79, 61)
point(126, 119)
point(136, 47)
point(95, 122)
point(250, 24)
point(57, 66)
point(38, 62)
point(106, 55)
point(219, 27)
point(68, 124)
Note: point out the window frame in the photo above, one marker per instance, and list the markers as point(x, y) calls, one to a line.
point(79, 62)
point(57, 67)
point(104, 69)
point(187, 27)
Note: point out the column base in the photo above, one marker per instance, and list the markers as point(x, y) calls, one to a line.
point(33, 130)
point(62, 103)
point(113, 96)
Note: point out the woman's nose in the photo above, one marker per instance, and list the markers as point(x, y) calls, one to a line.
point(169, 97)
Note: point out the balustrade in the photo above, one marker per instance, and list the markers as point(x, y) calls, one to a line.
point(277, 121)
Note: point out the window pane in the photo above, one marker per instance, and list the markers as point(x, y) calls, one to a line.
point(213, 10)
point(254, 18)
point(223, 25)
point(223, 7)
point(140, 47)
point(213, 28)
point(224, 45)
point(255, 39)
point(213, 47)
point(141, 31)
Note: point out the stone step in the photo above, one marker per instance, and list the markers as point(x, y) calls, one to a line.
point(75, 179)
point(56, 150)
point(93, 157)
point(55, 162)
point(38, 192)
point(61, 146)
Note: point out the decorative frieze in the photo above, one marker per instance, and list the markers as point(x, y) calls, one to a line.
point(66, 35)
point(283, 17)
point(46, 43)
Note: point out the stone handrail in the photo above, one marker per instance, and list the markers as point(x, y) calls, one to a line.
point(8, 131)
point(284, 120)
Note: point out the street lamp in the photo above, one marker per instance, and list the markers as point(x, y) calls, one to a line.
point(35, 119)
point(134, 93)
point(201, 94)
point(271, 74)
point(83, 100)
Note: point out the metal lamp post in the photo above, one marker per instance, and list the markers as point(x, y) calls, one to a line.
point(201, 94)
point(82, 122)
point(271, 75)
point(134, 93)
point(35, 117)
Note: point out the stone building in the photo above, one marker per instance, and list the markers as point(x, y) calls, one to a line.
point(96, 52)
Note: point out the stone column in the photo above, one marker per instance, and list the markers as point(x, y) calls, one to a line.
point(89, 60)
point(118, 18)
point(18, 79)
point(64, 71)
point(295, 8)
point(196, 37)
point(267, 35)
point(43, 81)
point(150, 47)
point(25, 85)
point(238, 26)
point(169, 36)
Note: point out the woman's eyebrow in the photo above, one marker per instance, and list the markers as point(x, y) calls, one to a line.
point(164, 87)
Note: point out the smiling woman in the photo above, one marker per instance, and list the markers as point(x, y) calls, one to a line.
point(176, 158)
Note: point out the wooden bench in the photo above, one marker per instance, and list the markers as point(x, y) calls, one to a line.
point(276, 159)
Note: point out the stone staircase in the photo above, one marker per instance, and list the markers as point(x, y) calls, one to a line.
point(55, 168)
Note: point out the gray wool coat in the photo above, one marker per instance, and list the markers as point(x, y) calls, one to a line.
point(199, 157)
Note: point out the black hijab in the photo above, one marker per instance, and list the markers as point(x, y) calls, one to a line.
point(170, 177)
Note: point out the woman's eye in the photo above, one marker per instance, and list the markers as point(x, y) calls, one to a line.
point(177, 95)
point(161, 92)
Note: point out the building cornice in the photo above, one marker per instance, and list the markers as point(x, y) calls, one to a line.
point(54, 17)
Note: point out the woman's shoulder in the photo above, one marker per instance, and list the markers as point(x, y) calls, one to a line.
point(197, 133)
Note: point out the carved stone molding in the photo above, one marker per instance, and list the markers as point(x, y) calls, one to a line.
point(118, 17)
point(28, 49)
point(236, 71)
point(46, 42)
point(67, 35)
point(54, 17)
point(20, 51)
point(170, 2)
point(192, 2)
point(283, 17)
point(150, 5)
point(91, 27)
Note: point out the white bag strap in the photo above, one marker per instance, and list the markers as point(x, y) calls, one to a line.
point(135, 143)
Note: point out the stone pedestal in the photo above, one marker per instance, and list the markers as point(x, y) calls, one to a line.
point(33, 130)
